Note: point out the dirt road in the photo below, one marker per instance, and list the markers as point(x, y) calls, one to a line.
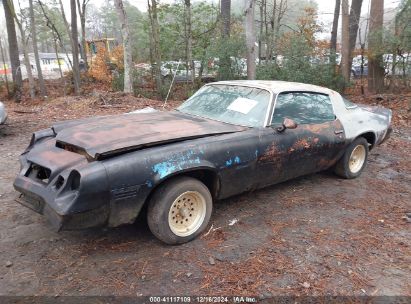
point(316, 235)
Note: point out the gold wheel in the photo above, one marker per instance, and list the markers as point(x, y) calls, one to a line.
point(357, 159)
point(187, 213)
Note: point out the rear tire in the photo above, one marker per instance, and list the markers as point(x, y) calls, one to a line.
point(354, 160)
point(179, 210)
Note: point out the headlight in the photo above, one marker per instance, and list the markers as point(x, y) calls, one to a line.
point(74, 180)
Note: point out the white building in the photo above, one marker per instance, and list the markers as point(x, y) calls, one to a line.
point(49, 63)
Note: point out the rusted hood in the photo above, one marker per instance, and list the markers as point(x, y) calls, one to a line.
point(110, 135)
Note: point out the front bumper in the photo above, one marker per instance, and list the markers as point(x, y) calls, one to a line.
point(36, 197)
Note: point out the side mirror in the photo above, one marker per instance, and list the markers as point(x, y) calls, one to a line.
point(288, 123)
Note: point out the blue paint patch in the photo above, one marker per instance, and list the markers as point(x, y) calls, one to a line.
point(236, 160)
point(176, 163)
point(149, 183)
point(164, 168)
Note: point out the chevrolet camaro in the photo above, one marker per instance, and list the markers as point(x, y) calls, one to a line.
point(229, 137)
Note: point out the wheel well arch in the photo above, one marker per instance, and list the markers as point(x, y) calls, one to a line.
point(370, 137)
point(207, 176)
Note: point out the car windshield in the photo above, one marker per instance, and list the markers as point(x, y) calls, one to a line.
point(234, 104)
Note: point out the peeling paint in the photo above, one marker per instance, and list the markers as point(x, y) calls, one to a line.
point(236, 160)
point(176, 163)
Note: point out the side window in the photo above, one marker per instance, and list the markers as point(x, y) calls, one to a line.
point(303, 108)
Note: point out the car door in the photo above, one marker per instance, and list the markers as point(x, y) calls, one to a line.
point(314, 145)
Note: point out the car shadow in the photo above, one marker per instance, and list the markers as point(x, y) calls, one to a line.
point(139, 232)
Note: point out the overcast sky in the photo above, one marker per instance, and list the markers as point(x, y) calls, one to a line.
point(325, 9)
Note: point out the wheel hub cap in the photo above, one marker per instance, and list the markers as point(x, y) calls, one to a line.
point(187, 213)
point(357, 159)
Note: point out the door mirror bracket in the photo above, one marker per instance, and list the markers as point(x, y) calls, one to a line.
point(288, 123)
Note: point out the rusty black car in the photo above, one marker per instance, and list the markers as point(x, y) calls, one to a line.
point(228, 138)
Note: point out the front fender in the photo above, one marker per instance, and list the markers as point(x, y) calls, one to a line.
point(176, 166)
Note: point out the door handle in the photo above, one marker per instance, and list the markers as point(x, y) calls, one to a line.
point(338, 132)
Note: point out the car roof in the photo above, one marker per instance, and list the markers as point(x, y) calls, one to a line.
point(276, 86)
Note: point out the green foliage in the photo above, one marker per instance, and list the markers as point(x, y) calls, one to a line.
point(117, 82)
point(44, 33)
point(230, 51)
point(300, 65)
point(173, 31)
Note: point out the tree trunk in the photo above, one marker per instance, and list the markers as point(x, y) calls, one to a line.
point(58, 60)
point(225, 12)
point(345, 42)
point(189, 40)
point(13, 51)
point(250, 39)
point(82, 12)
point(27, 63)
point(270, 34)
point(6, 78)
point(335, 26)
point(74, 39)
point(36, 51)
point(355, 14)
point(281, 10)
point(375, 60)
point(125, 33)
point(225, 61)
point(156, 41)
point(260, 38)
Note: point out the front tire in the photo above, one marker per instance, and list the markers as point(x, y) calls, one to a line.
point(354, 159)
point(179, 210)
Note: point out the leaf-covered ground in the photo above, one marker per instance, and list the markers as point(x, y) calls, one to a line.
point(316, 235)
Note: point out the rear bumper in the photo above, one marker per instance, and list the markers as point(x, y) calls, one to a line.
point(387, 135)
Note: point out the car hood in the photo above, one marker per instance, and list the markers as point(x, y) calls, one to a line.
point(102, 137)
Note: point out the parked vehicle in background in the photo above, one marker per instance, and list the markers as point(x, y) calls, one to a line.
point(359, 66)
point(3, 113)
point(228, 138)
point(397, 65)
point(178, 71)
point(393, 65)
point(359, 70)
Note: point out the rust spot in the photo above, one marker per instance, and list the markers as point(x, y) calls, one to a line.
point(271, 154)
point(302, 143)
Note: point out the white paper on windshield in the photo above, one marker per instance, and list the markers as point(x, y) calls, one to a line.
point(242, 105)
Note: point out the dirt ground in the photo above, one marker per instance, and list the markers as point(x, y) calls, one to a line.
point(316, 235)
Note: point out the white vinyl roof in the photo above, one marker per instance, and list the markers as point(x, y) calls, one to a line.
point(278, 86)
